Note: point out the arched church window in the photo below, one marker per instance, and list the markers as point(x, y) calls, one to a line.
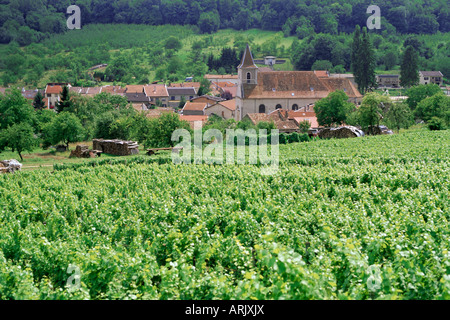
point(278, 106)
point(249, 77)
point(262, 108)
point(295, 107)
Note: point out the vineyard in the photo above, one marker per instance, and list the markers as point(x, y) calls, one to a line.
point(364, 218)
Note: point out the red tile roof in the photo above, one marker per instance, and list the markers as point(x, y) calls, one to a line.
point(229, 104)
point(185, 85)
point(53, 89)
point(322, 73)
point(297, 84)
point(219, 76)
point(134, 89)
point(278, 117)
point(156, 90)
point(195, 106)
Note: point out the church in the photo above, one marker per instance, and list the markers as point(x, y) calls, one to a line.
point(266, 91)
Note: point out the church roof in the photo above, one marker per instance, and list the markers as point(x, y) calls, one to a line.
point(296, 84)
point(247, 59)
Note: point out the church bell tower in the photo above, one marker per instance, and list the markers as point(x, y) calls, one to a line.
point(247, 70)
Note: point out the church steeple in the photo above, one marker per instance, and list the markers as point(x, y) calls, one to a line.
point(247, 70)
point(247, 59)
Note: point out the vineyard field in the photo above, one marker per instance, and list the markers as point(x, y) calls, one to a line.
point(364, 218)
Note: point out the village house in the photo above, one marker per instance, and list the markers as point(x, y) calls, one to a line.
point(194, 108)
point(134, 89)
point(427, 77)
point(219, 88)
point(178, 94)
point(195, 85)
point(388, 80)
point(224, 109)
point(53, 92)
point(264, 92)
point(209, 100)
point(138, 98)
point(31, 94)
point(158, 94)
point(114, 90)
point(278, 117)
point(305, 114)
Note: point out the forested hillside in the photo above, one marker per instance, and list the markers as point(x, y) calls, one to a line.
point(28, 21)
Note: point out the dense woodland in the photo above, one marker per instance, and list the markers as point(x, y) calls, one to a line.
point(132, 37)
point(27, 21)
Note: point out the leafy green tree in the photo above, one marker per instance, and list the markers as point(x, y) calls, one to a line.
point(19, 137)
point(118, 69)
point(263, 125)
point(65, 128)
point(371, 111)
point(420, 92)
point(436, 123)
point(334, 109)
point(14, 108)
point(399, 116)
point(322, 65)
point(304, 28)
point(409, 69)
point(38, 102)
point(304, 126)
point(173, 43)
point(390, 59)
point(209, 22)
point(161, 130)
point(437, 105)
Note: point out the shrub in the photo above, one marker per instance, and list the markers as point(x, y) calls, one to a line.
point(436, 124)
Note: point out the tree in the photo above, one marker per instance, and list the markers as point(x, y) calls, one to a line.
point(409, 70)
point(173, 43)
point(14, 108)
point(182, 102)
point(364, 62)
point(436, 106)
point(390, 59)
point(65, 104)
point(371, 110)
point(304, 126)
point(334, 109)
point(162, 128)
point(38, 102)
point(65, 128)
point(399, 116)
point(420, 92)
point(322, 65)
point(209, 22)
point(304, 28)
point(356, 47)
point(19, 137)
